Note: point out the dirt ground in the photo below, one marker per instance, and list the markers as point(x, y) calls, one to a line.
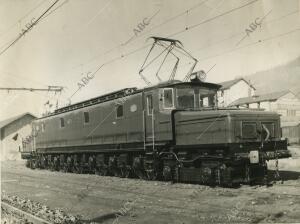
point(115, 200)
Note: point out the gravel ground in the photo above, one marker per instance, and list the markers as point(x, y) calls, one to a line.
point(115, 200)
point(56, 216)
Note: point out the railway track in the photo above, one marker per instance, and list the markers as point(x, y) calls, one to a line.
point(162, 201)
point(168, 201)
point(23, 215)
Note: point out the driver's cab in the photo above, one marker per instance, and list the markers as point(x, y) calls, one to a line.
point(192, 96)
point(161, 100)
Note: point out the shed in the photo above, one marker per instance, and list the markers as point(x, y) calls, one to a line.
point(12, 130)
point(291, 130)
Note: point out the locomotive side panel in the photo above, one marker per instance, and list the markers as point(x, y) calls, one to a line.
point(253, 128)
point(200, 128)
point(115, 122)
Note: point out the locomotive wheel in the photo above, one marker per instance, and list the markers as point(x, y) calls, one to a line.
point(52, 167)
point(32, 164)
point(80, 169)
point(125, 172)
point(139, 173)
point(103, 171)
point(151, 175)
point(167, 173)
point(65, 168)
point(77, 169)
point(116, 172)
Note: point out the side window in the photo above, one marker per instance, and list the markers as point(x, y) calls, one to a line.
point(149, 105)
point(249, 130)
point(43, 127)
point(62, 122)
point(86, 117)
point(168, 99)
point(120, 111)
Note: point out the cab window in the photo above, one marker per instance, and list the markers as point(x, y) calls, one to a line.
point(62, 122)
point(185, 98)
point(120, 111)
point(168, 98)
point(86, 116)
point(207, 100)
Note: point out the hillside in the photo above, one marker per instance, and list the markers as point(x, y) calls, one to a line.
point(278, 78)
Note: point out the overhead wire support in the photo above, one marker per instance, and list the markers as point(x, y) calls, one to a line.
point(170, 48)
point(180, 31)
point(49, 89)
point(29, 28)
point(173, 73)
point(181, 50)
point(173, 44)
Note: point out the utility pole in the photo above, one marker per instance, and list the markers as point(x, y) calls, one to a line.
point(55, 89)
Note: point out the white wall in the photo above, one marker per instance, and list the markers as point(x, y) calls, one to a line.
point(10, 148)
point(238, 90)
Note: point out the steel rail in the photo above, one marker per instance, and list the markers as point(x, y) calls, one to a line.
point(32, 218)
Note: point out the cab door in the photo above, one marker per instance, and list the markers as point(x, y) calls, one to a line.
point(149, 115)
point(159, 104)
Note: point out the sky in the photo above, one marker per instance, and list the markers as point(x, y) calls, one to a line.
point(76, 37)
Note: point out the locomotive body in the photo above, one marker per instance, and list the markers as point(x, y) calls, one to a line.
point(171, 131)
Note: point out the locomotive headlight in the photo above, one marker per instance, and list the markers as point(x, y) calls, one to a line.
point(254, 156)
point(198, 76)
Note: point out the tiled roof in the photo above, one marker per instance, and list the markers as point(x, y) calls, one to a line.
point(229, 83)
point(12, 119)
point(261, 98)
point(290, 124)
point(296, 92)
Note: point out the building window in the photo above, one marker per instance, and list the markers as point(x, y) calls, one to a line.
point(149, 105)
point(86, 117)
point(291, 112)
point(62, 122)
point(168, 98)
point(120, 111)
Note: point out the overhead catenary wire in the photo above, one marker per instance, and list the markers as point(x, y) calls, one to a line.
point(147, 31)
point(253, 43)
point(245, 46)
point(192, 27)
point(212, 18)
point(240, 33)
point(33, 24)
point(181, 31)
point(173, 18)
point(56, 8)
point(24, 16)
point(98, 13)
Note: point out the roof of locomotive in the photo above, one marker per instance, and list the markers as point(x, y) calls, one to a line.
point(175, 83)
point(130, 91)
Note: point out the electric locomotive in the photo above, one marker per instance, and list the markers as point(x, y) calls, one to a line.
point(171, 131)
